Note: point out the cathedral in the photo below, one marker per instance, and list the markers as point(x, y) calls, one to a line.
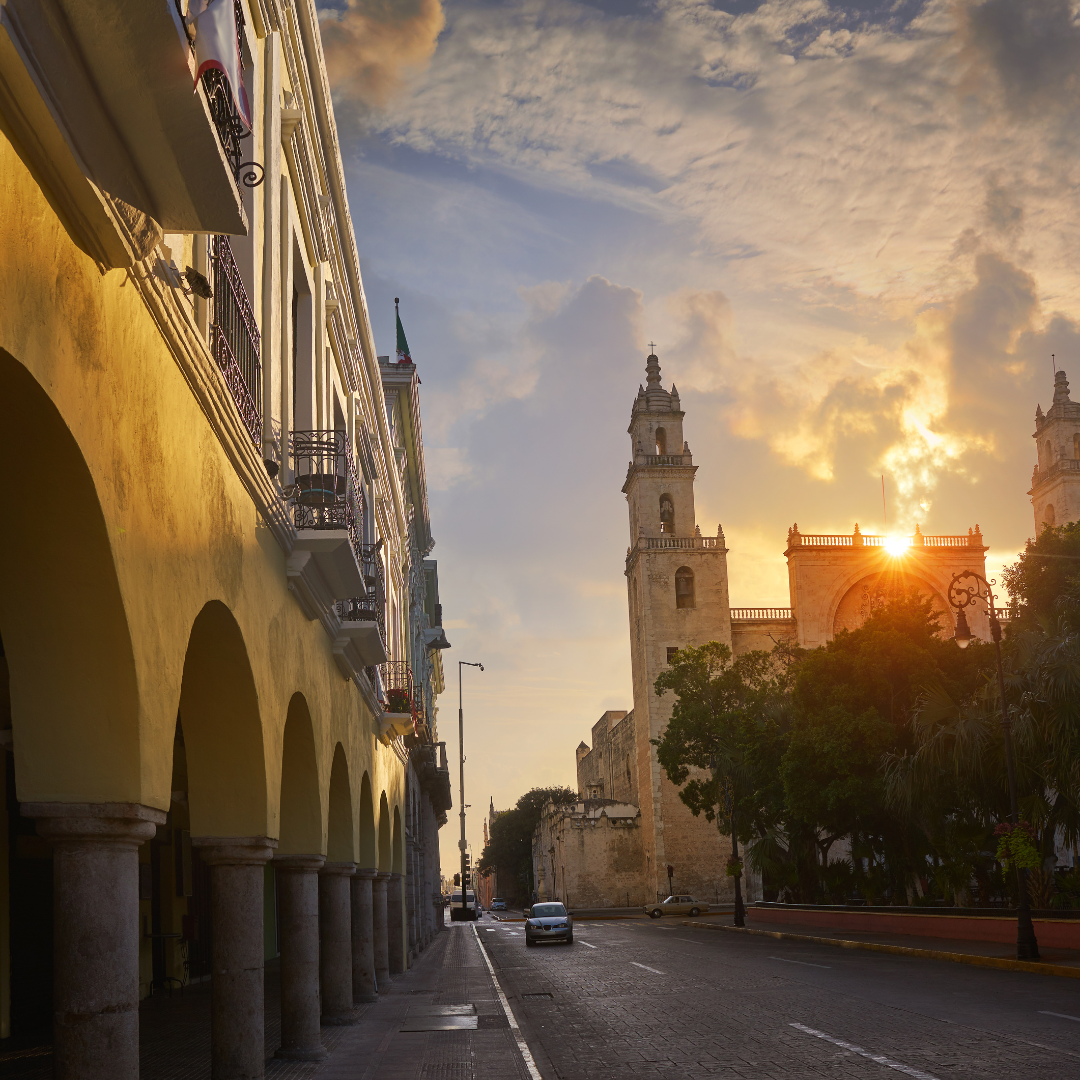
point(617, 845)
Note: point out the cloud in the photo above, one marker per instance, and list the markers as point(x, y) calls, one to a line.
point(370, 45)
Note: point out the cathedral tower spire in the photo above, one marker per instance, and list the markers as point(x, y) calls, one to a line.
point(1055, 483)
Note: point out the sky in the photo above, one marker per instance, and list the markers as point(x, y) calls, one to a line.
point(850, 230)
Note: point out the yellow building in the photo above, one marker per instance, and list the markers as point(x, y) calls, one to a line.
point(219, 623)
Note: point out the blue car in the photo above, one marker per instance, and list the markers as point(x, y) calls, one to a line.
point(549, 922)
point(497, 904)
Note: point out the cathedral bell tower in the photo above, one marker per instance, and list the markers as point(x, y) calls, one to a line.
point(1055, 483)
point(677, 587)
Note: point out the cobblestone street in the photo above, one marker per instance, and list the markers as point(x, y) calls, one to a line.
point(634, 998)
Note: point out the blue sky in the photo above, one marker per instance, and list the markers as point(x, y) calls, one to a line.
point(850, 230)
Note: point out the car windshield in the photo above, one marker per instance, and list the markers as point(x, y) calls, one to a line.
point(497, 900)
point(547, 911)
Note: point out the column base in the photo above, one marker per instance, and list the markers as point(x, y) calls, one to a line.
point(339, 1020)
point(366, 999)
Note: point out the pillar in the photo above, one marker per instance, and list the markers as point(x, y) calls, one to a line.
point(298, 928)
point(363, 937)
point(95, 934)
point(378, 921)
point(335, 943)
point(237, 883)
point(394, 925)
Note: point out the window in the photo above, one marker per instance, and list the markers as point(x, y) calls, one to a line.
point(1048, 514)
point(667, 514)
point(684, 587)
point(672, 653)
point(661, 441)
point(1049, 455)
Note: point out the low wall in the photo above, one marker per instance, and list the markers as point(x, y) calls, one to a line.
point(1059, 930)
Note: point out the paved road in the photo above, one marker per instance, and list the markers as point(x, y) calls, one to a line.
point(641, 998)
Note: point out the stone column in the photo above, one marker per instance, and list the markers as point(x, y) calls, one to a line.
point(95, 934)
point(363, 937)
point(378, 921)
point(335, 943)
point(298, 926)
point(237, 883)
point(409, 883)
point(394, 927)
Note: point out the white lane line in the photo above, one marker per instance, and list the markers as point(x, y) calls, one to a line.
point(522, 1045)
point(881, 1059)
point(586, 944)
point(783, 960)
point(646, 967)
point(1064, 1016)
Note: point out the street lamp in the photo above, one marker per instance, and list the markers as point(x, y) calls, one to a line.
point(960, 597)
point(461, 765)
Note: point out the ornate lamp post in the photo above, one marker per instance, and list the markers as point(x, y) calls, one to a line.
point(961, 596)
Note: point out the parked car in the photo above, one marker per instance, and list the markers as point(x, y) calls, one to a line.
point(498, 904)
point(676, 905)
point(549, 922)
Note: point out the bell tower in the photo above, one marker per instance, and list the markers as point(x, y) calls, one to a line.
point(677, 588)
point(1055, 483)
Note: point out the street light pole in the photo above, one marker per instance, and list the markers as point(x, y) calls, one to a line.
point(461, 767)
point(960, 597)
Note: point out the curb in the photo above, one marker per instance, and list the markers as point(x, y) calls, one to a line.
point(1031, 966)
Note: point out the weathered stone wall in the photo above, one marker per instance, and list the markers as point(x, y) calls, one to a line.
point(763, 634)
point(609, 769)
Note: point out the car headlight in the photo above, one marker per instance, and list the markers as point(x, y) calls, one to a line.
point(534, 926)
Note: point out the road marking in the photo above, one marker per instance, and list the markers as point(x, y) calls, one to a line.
point(881, 1059)
point(824, 967)
point(586, 944)
point(522, 1045)
point(1064, 1016)
point(646, 967)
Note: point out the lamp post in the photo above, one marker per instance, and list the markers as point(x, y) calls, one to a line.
point(961, 596)
point(461, 766)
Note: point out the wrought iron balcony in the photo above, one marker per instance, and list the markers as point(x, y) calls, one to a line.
point(234, 336)
point(326, 494)
point(398, 693)
point(371, 607)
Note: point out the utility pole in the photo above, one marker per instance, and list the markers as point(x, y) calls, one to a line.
point(461, 766)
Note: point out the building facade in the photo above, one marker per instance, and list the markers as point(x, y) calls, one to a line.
point(1055, 482)
point(677, 592)
point(231, 756)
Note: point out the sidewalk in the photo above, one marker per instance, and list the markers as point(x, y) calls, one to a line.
point(450, 973)
point(1063, 962)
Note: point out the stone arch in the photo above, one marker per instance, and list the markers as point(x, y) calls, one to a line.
point(398, 843)
point(386, 855)
point(300, 830)
point(667, 513)
point(1049, 515)
point(684, 588)
point(75, 702)
point(856, 600)
point(369, 835)
point(222, 728)
point(340, 835)
point(661, 441)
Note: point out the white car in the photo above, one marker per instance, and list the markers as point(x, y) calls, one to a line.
point(467, 914)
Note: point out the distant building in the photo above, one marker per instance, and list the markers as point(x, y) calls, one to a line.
point(1055, 483)
point(677, 588)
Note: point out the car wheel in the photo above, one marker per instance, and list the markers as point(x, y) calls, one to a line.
point(570, 938)
point(695, 911)
point(529, 941)
point(655, 913)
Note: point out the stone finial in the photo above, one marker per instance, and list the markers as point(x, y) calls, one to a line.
point(674, 391)
point(1061, 388)
point(917, 539)
point(977, 538)
point(652, 370)
point(1038, 414)
point(856, 537)
point(697, 530)
point(720, 533)
point(794, 536)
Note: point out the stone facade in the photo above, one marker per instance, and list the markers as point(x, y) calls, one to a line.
point(677, 591)
point(1055, 483)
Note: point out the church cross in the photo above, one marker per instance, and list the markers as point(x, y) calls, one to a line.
point(652, 346)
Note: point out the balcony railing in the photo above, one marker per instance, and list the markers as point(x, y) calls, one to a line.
point(758, 614)
point(325, 493)
point(372, 606)
point(234, 336)
point(397, 691)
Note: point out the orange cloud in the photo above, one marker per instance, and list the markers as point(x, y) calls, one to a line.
point(371, 44)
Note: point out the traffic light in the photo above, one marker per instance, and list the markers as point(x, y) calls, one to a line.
point(457, 879)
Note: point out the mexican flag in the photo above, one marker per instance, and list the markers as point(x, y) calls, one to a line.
point(403, 356)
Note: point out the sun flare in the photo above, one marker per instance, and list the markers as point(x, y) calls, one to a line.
point(896, 545)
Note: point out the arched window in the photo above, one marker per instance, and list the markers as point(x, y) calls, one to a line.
point(1048, 514)
point(684, 587)
point(667, 514)
point(1049, 455)
point(661, 441)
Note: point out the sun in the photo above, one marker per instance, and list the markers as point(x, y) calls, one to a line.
point(896, 545)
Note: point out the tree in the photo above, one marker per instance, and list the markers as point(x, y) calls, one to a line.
point(509, 847)
point(723, 742)
point(1042, 575)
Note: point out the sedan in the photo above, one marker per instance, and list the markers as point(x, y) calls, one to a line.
point(498, 904)
point(549, 922)
point(676, 905)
